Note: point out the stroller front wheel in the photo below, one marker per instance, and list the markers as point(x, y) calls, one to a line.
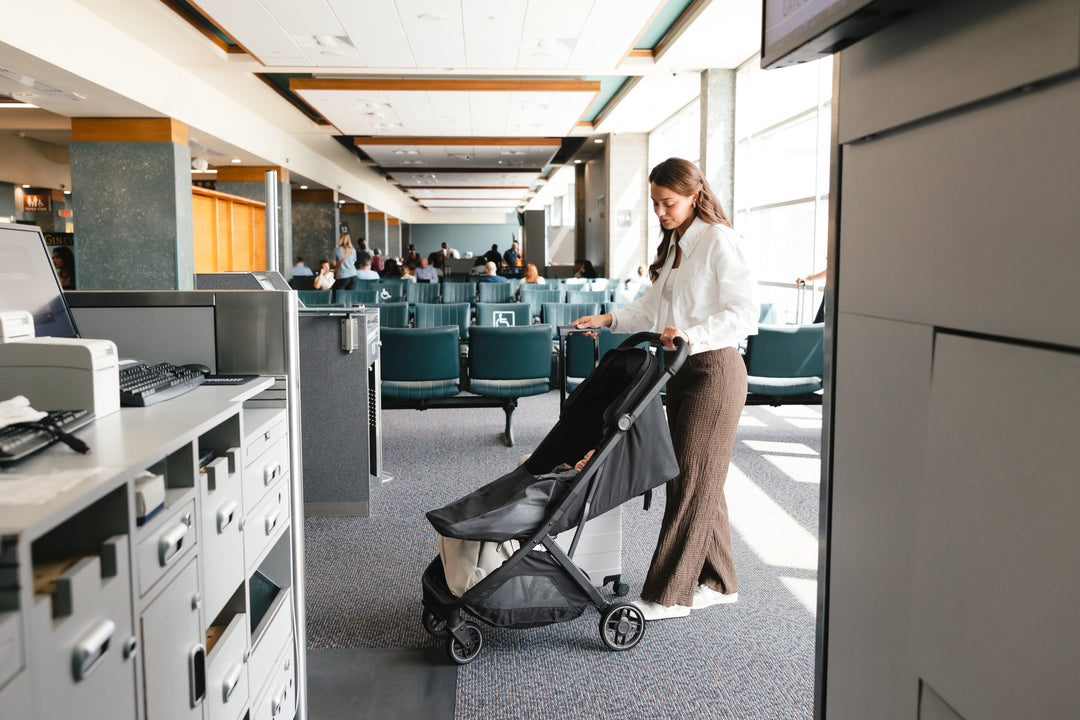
point(465, 653)
point(434, 624)
point(621, 626)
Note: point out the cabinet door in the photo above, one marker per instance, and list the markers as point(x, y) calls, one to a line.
point(174, 654)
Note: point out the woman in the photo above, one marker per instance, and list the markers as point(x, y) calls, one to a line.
point(532, 275)
point(344, 263)
point(64, 262)
point(703, 292)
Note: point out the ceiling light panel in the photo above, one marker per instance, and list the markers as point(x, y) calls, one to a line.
point(434, 32)
point(493, 32)
point(316, 30)
point(376, 32)
point(468, 193)
point(550, 32)
point(508, 204)
point(257, 30)
point(419, 178)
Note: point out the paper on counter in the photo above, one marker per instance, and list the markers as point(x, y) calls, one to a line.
point(16, 489)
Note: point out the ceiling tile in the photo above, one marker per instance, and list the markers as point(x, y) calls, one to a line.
point(493, 32)
point(375, 31)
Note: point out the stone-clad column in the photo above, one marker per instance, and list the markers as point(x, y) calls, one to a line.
point(133, 207)
point(718, 134)
point(249, 181)
point(393, 238)
point(355, 216)
point(315, 223)
point(377, 233)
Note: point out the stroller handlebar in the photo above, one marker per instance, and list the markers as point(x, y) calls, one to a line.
point(681, 348)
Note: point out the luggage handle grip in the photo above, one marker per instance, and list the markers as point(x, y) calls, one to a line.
point(681, 348)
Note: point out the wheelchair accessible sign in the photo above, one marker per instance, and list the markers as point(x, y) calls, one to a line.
point(503, 318)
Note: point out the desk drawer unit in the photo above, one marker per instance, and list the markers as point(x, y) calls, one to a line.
point(268, 641)
point(83, 640)
point(266, 522)
point(279, 700)
point(266, 460)
point(174, 650)
point(227, 672)
point(166, 546)
point(222, 540)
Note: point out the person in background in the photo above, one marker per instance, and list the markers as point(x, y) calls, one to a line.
point(512, 257)
point(426, 273)
point(584, 269)
point(344, 263)
point(479, 266)
point(392, 269)
point(299, 269)
point(412, 256)
point(491, 274)
point(450, 252)
point(377, 263)
point(325, 279)
point(703, 292)
point(64, 262)
point(820, 317)
point(362, 253)
point(493, 255)
point(365, 272)
point(532, 275)
point(408, 271)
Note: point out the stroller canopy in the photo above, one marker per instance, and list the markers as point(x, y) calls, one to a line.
point(517, 504)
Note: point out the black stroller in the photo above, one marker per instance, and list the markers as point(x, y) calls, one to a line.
point(618, 411)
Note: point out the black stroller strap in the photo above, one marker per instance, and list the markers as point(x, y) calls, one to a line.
point(648, 498)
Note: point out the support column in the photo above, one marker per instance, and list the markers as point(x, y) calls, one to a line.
point(315, 224)
point(133, 204)
point(718, 134)
point(393, 238)
point(377, 233)
point(627, 203)
point(249, 181)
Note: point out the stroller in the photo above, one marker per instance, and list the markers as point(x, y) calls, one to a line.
point(618, 412)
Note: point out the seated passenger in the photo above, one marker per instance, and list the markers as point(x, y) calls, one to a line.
point(325, 279)
point(365, 272)
point(426, 273)
point(491, 274)
point(532, 275)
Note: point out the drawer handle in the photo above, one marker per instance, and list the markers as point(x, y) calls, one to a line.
point(271, 521)
point(91, 649)
point(232, 679)
point(170, 543)
point(225, 515)
point(197, 674)
point(278, 703)
point(271, 473)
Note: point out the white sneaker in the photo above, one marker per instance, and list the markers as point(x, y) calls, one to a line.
point(656, 611)
point(705, 596)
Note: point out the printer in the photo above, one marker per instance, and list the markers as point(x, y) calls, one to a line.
point(58, 373)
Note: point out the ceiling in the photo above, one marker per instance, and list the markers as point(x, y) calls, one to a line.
point(464, 106)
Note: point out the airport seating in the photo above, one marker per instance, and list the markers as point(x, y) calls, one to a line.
point(581, 353)
point(459, 292)
point(488, 292)
point(785, 365)
point(587, 296)
point(508, 363)
point(502, 314)
point(348, 298)
point(419, 365)
point(429, 315)
point(315, 298)
point(389, 292)
point(422, 292)
point(393, 315)
point(556, 314)
point(537, 295)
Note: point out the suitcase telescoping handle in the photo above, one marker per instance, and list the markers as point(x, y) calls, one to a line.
point(681, 349)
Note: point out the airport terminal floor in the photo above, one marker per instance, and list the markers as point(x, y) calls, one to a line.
point(369, 656)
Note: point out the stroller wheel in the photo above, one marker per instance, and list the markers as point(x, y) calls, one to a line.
point(434, 624)
point(463, 654)
point(621, 626)
point(621, 589)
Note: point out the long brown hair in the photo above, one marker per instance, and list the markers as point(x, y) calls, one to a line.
point(683, 177)
point(531, 274)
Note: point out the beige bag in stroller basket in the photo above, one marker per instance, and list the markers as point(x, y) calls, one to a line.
point(467, 562)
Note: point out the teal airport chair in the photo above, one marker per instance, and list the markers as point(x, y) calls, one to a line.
point(537, 295)
point(581, 353)
point(436, 315)
point(587, 296)
point(389, 292)
point(785, 365)
point(494, 292)
point(506, 363)
point(419, 365)
point(316, 298)
point(502, 314)
point(455, 292)
point(422, 292)
point(556, 314)
point(348, 298)
point(393, 315)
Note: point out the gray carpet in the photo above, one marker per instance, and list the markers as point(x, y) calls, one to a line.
point(753, 659)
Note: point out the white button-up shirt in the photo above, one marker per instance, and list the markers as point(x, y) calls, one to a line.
point(713, 292)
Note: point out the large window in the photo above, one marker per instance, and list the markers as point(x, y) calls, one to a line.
point(782, 121)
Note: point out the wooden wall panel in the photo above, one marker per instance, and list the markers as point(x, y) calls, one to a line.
point(228, 232)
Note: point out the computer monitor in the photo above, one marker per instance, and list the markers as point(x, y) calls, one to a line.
point(28, 281)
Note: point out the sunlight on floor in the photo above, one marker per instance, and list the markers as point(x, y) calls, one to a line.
point(769, 446)
point(799, 469)
point(747, 421)
point(805, 591)
point(771, 533)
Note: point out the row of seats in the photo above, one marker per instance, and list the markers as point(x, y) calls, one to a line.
point(551, 315)
point(449, 293)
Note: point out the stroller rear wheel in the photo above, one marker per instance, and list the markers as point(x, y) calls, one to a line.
point(465, 653)
point(433, 623)
point(621, 626)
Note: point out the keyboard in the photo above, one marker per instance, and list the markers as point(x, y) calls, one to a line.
point(143, 384)
point(19, 440)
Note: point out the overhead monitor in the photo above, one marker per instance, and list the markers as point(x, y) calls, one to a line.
point(28, 281)
point(795, 31)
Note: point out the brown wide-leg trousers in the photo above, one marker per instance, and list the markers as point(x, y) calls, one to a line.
point(704, 401)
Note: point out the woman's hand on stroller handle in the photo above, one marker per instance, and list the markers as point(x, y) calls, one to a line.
point(593, 321)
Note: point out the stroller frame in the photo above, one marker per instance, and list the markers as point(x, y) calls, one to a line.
point(622, 624)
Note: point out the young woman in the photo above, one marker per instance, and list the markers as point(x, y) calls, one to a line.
point(703, 292)
point(344, 263)
point(532, 276)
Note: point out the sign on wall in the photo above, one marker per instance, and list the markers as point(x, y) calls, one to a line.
point(36, 202)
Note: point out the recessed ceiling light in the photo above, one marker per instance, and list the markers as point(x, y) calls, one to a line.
point(505, 151)
point(237, 160)
point(67, 192)
point(577, 162)
point(26, 187)
point(598, 141)
point(430, 17)
point(303, 187)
